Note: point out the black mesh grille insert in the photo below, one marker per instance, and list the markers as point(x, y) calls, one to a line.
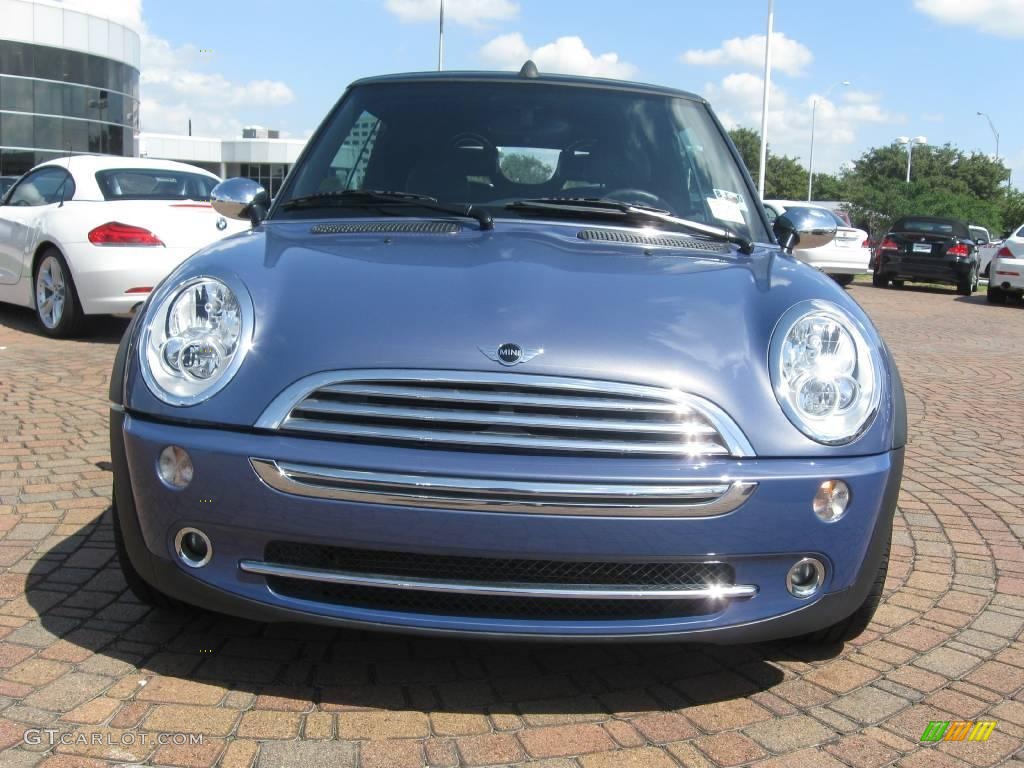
point(493, 570)
point(663, 241)
point(527, 608)
point(414, 227)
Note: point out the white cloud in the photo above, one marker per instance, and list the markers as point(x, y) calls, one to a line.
point(1004, 18)
point(788, 55)
point(736, 99)
point(472, 13)
point(566, 55)
point(176, 87)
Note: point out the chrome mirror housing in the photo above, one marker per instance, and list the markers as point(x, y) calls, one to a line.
point(240, 198)
point(806, 227)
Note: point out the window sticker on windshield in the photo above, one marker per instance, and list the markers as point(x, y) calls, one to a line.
point(733, 197)
point(726, 210)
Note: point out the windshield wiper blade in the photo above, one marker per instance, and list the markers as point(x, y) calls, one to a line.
point(357, 197)
point(614, 208)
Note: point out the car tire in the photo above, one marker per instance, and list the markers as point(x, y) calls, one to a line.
point(995, 295)
point(843, 280)
point(968, 285)
point(854, 624)
point(58, 310)
point(879, 281)
point(897, 283)
point(143, 591)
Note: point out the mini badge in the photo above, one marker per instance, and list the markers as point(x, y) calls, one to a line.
point(510, 354)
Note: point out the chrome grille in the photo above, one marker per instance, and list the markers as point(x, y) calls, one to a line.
point(506, 412)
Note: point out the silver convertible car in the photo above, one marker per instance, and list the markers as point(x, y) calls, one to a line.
point(510, 355)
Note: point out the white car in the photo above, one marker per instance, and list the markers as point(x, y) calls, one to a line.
point(842, 259)
point(1006, 275)
point(92, 235)
point(1011, 247)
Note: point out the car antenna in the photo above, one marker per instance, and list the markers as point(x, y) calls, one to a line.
point(529, 70)
point(67, 169)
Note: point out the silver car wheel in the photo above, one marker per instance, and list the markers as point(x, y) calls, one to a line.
point(51, 292)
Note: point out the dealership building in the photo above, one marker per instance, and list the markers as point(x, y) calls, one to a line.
point(69, 83)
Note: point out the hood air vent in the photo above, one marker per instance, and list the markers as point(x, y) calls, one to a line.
point(388, 227)
point(663, 241)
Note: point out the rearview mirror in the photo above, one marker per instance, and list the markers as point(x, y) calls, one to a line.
point(240, 198)
point(804, 226)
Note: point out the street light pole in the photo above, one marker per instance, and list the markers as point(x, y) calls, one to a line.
point(909, 144)
point(440, 39)
point(810, 162)
point(764, 98)
point(994, 132)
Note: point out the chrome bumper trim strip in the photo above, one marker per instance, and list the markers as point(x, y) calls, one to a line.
point(499, 495)
point(558, 591)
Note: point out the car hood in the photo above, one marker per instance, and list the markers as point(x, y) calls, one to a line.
point(696, 319)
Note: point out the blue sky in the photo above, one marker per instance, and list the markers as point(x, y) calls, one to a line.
point(917, 67)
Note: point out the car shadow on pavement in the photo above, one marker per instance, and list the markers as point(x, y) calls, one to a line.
point(101, 328)
point(82, 601)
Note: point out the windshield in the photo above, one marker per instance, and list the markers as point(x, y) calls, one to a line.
point(490, 143)
point(154, 184)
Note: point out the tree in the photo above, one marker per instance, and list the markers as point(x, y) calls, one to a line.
point(525, 169)
point(785, 178)
point(944, 182)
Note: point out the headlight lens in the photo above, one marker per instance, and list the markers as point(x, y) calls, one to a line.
point(826, 375)
point(194, 339)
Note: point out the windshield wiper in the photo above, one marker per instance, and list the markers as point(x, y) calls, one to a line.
point(587, 206)
point(372, 197)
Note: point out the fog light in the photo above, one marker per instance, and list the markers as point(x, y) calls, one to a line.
point(805, 578)
point(193, 547)
point(175, 467)
point(831, 500)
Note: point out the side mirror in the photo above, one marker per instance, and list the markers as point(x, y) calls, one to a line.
point(240, 198)
point(804, 227)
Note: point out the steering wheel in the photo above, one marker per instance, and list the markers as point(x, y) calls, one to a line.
point(638, 196)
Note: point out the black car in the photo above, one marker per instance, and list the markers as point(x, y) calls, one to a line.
point(927, 249)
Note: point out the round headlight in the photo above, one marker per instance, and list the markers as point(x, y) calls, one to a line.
point(194, 338)
point(826, 375)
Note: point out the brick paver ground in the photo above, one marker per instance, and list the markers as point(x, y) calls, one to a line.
point(80, 657)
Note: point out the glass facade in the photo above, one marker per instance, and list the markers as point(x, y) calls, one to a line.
point(270, 175)
point(54, 101)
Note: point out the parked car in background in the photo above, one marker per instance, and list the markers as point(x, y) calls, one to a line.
point(430, 393)
point(929, 250)
point(6, 182)
point(979, 235)
point(92, 235)
point(1010, 248)
point(843, 258)
point(1006, 277)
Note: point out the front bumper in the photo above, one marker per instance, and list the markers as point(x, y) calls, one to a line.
point(241, 514)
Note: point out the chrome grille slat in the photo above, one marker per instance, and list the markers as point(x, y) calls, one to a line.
point(504, 411)
point(485, 417)
point(504, 398)
point(499, 439)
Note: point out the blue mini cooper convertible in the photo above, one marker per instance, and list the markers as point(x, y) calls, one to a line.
point(510, 355)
